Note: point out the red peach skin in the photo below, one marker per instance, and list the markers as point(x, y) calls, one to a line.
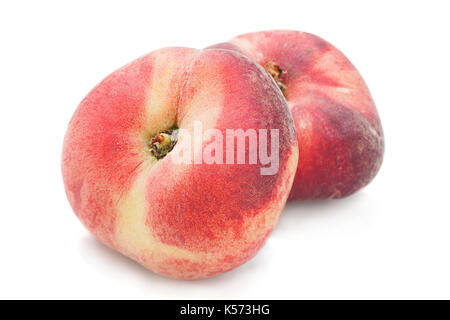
point(338, 129)
point(180, 220)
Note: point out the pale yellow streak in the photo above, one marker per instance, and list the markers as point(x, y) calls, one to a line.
point(132, 234)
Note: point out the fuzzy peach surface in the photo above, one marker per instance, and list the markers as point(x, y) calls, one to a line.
point(179, 220)
point(338, 128)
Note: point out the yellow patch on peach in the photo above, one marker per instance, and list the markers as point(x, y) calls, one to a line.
point(132, 235)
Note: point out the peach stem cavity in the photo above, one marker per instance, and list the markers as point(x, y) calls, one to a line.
point(161, 144)
point(275, 71)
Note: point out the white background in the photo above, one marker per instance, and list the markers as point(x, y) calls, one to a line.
point(390, 240)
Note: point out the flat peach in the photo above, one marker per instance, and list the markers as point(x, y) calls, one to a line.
point(126, 184)
point(338, 128)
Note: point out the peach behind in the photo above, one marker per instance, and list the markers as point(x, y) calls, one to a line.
point(179, 220)
point(338, 128)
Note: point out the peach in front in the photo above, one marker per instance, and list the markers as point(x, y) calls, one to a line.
point(125, 182)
